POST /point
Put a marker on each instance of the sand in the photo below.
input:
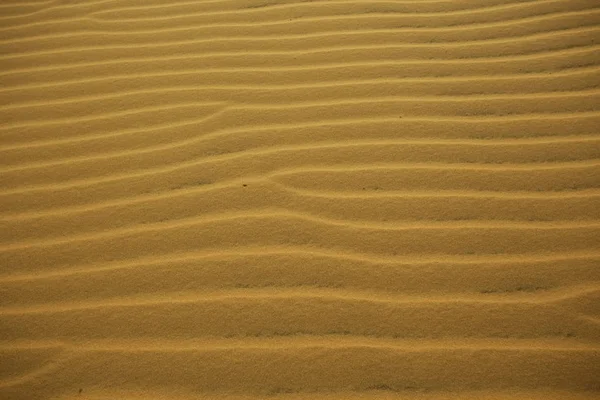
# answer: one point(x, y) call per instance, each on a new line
point(327, 199)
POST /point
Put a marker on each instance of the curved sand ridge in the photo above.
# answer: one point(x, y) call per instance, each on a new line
point(328, 199)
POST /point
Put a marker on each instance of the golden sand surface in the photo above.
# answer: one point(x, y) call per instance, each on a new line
point(288, 199)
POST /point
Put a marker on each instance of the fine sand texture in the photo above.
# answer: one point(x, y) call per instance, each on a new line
point(299, 199)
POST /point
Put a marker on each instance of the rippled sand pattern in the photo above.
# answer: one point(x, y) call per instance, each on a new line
point(327, 199)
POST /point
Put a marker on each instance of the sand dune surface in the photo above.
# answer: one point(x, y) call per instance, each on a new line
point(292, 199)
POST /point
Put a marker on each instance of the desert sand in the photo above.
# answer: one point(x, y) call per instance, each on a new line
point(288, 199)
